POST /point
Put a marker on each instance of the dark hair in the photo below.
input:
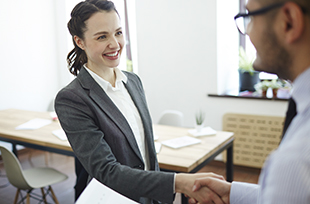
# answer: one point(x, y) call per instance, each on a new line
point(77, 27)
point(305, 4)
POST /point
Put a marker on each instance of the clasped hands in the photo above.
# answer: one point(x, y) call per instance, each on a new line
point(203, 188)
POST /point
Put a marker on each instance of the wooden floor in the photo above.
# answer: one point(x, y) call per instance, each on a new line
point(65, 191)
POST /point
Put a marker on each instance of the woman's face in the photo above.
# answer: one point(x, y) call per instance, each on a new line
point(103, 40)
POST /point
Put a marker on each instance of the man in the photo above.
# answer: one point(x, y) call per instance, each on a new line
point(280, 32)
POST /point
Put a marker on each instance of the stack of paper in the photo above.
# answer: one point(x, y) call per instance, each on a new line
point(60, 134)
point(98, 193)
point(157, 147)
point(181, 142)
point(33, 124)
point(206, 131)
point(155, 137)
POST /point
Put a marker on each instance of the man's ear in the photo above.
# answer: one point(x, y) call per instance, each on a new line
point(294, 23)
point(79, 42)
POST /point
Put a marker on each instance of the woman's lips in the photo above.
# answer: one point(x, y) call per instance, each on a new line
point(112, 55)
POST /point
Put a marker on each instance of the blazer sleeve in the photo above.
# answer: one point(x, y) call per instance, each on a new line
point(91, 148)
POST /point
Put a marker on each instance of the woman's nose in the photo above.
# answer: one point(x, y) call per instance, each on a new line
point(113, 43)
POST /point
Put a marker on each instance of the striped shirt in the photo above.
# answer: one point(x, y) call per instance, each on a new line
point(285, 178)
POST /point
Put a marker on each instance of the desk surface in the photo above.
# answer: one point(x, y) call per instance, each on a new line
point(181, 160)
point(11, 118)
point(185, 159)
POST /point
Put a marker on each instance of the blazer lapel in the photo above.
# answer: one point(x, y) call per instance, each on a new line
point(99, 96)
point(138, 98)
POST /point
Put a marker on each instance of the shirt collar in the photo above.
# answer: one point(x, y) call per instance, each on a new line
point(301, 91)
point(120, 76)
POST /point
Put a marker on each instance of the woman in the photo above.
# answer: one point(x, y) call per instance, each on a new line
point(104, 112)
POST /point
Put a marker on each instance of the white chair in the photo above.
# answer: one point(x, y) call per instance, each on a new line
point(171, 117)
point(30, 179)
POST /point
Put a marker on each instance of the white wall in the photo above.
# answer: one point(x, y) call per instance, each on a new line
point(32, 53)
point(181, 44)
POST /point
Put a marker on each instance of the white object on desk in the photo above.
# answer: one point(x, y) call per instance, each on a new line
point(181, 142)
point(206, 131)
point(33, 124)
point(157, 147)
point(53, 115)
point(96, 192)
point(60, 134)
point(155, 137)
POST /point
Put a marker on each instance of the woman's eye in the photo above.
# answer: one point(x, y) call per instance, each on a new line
point(101, 37)
point(119, 33)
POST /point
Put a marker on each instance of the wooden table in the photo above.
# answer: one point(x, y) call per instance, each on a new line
point(192, 158)
point(41, 138)
point(186, 159)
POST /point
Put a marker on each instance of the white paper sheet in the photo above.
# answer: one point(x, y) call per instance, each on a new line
point(60, 134)
point(181, 142)
point(98, 193)
point(33, 124)
point(155, 137)
point(157, 147)
point(206, 131)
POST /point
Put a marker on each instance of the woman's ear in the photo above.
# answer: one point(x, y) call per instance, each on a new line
point(79, 42)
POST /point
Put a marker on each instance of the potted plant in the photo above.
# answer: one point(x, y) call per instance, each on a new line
point(275, 85)
point(266, 84)
point(262, 87)
point(200, 117)
point(248, 77)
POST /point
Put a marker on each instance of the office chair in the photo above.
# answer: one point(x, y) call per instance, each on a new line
point(171, 117)
point(30, 179)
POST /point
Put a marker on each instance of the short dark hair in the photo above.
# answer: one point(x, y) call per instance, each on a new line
point(77, 27)
point(303, 3)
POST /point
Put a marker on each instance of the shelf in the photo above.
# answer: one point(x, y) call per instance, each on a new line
point(248, 95)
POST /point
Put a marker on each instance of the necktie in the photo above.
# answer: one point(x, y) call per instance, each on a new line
point(290, 114)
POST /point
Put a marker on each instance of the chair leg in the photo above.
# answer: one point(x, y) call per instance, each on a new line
point(28, 198)
point(53, 195)
point(43, 195)
point(16, 196)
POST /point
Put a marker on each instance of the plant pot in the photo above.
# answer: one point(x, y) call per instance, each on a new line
point(275, 93)
point(264, 93)
point(247, 80)
point(198, 127)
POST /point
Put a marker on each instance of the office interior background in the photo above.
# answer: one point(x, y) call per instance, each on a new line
point(182, 50)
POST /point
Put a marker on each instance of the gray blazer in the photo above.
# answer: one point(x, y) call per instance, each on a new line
point(103, 141)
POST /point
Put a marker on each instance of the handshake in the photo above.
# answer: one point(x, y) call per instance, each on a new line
point(203, 188)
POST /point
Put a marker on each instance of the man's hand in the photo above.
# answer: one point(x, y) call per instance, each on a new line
point(220, 187)
point(184, 183)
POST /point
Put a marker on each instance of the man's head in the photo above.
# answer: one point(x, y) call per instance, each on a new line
point(281, 36)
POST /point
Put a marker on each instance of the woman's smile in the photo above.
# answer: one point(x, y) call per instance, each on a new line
point(112, 55)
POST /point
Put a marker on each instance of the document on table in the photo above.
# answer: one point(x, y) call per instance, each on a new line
point(206, 131)
point(181, 142)
point(157, 146)
point(155, 137)
point(98, 193)
point(33, 124)
point(60, 134)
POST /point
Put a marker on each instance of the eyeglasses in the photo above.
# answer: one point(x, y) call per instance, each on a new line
point(242, 20)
